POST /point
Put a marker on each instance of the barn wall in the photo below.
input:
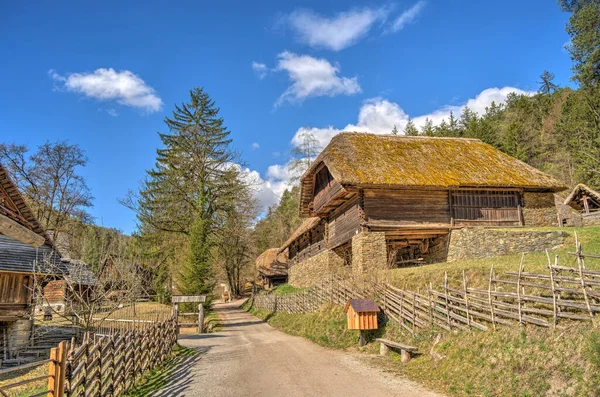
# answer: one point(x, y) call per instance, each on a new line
point(539, 209)
point(344, 223)
point(407, 206)
point(15, 288)
point(315, 269)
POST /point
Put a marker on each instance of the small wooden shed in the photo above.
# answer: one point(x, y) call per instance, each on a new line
point(361, 314)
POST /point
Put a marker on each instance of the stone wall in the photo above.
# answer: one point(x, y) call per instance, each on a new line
point(539, 209)
point(315, 269)
point(472, 243)
point(369, 251)
point(17, 333)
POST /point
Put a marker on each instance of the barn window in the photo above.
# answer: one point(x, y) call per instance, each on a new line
point(486, 206)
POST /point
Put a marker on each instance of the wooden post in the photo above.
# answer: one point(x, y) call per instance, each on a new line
point(200, 318)
point(554, 293)
point(490, 298)
point(52, 370)
point(362, 341)
point(447, 302)
point(466, 299)
point(519, 288)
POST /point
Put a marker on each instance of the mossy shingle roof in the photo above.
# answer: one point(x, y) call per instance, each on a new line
point(395, 160)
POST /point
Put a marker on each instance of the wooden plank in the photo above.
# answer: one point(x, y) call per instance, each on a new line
point(188, 298)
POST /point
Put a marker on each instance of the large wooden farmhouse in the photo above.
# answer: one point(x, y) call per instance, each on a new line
point(25, 250)
point(381, 200)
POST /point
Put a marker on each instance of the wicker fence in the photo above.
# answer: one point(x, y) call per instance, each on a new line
point(517, 297)
point(103, 365)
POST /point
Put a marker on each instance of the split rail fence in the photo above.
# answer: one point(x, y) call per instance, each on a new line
point(517, 297)
point(102, 365)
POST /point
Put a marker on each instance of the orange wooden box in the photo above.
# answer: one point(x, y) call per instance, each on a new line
point(361, 314)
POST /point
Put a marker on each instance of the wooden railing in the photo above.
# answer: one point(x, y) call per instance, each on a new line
point(102, 366)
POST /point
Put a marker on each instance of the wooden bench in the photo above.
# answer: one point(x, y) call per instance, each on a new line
point(406, 352)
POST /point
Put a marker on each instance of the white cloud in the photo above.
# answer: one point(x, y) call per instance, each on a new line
point(378, 116)
point(336, 32)
point(112, 111)
point(408, 16)
point(313, 77)
point(124, 87)
point(255, 145)
point(260, 69)
point(478, 104)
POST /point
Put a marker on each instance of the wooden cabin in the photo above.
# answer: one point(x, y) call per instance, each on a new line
point(25, 252)
point(58, 295)
point(586, 201)
point(394, 199)
point(271, 267)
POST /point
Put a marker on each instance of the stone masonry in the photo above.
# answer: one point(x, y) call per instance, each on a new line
point(369, 252)
point(539, 209)
point(473, 243)
point(315, 269)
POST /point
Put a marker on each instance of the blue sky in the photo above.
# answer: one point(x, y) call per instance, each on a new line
point(104, 75)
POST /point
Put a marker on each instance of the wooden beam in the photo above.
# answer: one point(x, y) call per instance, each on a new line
point(20, 233)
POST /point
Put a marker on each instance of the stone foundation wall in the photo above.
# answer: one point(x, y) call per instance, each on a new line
point(472, 243)
point(315, 269)
point(539, 209)
point(17, 333)
point(369, 251)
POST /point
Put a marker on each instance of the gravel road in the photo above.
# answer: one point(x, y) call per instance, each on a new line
point(250, 358)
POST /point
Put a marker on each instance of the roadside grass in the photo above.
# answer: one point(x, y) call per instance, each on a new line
point(158, 377)
point(478, 270)
point(212, 322)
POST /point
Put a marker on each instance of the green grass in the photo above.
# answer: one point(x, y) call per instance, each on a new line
point(212, 322)
point(478, 270)
point(285, 289)
point(159, 377)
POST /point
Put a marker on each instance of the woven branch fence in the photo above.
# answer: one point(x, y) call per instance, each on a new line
point(103, 365)
point(541, 299)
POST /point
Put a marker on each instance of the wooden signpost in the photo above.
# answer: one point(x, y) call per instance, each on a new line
point(200, 299)
point(361, 315)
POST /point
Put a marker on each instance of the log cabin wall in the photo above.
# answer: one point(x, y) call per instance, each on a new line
point(407, 206)
point(344, 223)
point(308, 244)
point(326, 190)
point(15, 295)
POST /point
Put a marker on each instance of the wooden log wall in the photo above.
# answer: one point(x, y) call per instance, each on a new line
point(344, 223)
point(15, 287)
point(407, 206)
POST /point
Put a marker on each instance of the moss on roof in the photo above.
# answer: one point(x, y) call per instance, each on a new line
point(367, 159)
point(272, 263)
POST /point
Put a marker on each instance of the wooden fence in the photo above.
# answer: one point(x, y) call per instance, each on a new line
point(541, 299)
point(102, 365)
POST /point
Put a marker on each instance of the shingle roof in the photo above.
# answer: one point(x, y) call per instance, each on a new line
point(361, 159)
point(79, 272)
point(576, 195)
point(272, 263)
point(19, 257)
point(362, 305)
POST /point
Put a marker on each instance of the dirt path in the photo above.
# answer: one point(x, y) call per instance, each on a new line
point(250, 358)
